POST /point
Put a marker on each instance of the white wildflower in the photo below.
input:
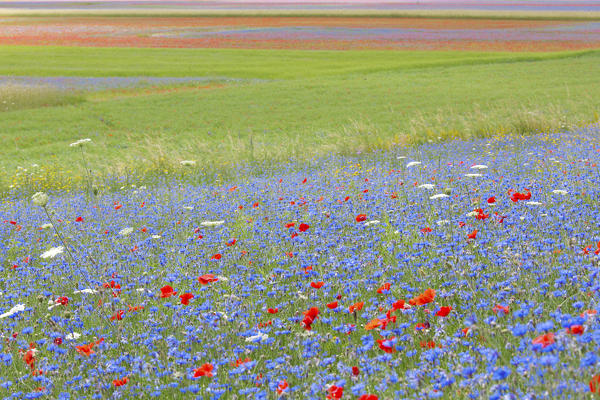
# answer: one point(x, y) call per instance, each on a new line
point(16, 309)
point(188, 207)
point(442, 222)
point(86, 291)
point(400, 158)
point(155, 236)
point(40, 199)
point(212, 223)
point(439, 196)
point(46, 226)
point(301, 296)
point(561, 192)
point(472, 214)
point(428, 186)
point(479, 166)
point(374, 222)
point(413, 163)
point(473, 175)
point(533, 203)
point(260, 337)
point(187, 163)
point(53, 252)
point(73, 336)
point(126, 231)
point(80, 142)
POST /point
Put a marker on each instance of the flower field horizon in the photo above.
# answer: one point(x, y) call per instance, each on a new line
point(444, 270)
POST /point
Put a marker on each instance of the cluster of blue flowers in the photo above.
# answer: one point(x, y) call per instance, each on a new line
point(455, 270)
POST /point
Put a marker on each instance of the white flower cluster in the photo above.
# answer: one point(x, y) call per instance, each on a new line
point(80, 142)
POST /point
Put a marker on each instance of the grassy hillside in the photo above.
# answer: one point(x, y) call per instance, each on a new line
point(355, 101)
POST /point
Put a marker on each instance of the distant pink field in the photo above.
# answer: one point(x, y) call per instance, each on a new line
point(337, 33)
point(497, 5)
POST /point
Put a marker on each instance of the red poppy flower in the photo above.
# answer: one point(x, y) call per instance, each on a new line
point(207, 278)
point(472, 235)
point(500, 308)
point(118, 315)
point(356, 306)
point(290, 225)
point(399, 305)
point(63, 300)
point(121, 382)
point(58, 341)
point(368, 397)
point(204, 370)
point(575, 330)
point(273, 310)
point(386, 286)
point(79, 219)
point(443, 311)
point(317, 285)
point(309, 317)
point(303, 227)
point(361, 218)
point(346, 198)
point(426, 230)
point(333, 305)
point(544, 340)
point(167, 291)
point(185, 298)
point(335, 392)
point(231, 242)
point(491, 200)
point(595, 384)
point(424, 298)
point(216, 257)
point(386, 345)
point(376, 323)
point(282, 387)
point(355, 371)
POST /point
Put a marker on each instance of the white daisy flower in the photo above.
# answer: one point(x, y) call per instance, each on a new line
point(46, 226)
point(413, 163)
point(533, 203)
point(155, 236)
point(473, 175)
point(53, 252)
point(479, 166)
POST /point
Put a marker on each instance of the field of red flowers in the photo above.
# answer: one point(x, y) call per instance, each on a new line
point(319, 33)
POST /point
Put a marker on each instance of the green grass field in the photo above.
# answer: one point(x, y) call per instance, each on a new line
point(304, 104)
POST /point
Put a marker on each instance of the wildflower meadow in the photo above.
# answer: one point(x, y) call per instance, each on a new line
point(456, 269)
point(289, 203)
